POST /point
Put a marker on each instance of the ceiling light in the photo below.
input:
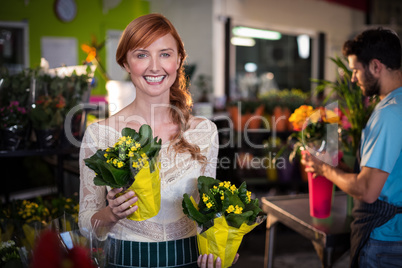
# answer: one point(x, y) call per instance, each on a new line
point(303, 45)
point(241, 41)
point(256, 33)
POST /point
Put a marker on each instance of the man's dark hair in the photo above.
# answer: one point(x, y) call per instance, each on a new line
point(381, 44)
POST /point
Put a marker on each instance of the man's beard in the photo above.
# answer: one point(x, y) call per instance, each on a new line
point(370, 84)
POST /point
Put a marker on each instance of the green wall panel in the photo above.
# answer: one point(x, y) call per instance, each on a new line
point(90, 20)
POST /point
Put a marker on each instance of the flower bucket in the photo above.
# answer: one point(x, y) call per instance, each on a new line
point(320, 191)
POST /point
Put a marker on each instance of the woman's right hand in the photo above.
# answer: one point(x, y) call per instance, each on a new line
point(121, 206)
point(207, 261)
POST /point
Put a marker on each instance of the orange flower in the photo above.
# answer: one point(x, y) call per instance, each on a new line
point(300, 115)
point(61, 102)
point(91, 51)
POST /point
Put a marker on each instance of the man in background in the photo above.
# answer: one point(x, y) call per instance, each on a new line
point(374, 56)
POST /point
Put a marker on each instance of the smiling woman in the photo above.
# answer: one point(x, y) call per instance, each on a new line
point(153, 70)
point(152, 52)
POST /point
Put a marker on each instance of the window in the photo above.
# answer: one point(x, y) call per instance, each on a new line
point(13, 46)
point(266, 60)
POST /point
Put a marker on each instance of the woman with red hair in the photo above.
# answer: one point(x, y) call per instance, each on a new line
point(152, 53)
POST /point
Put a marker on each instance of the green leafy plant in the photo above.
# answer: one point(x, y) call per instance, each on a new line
point(117, 166)
point(285, 98)
point(353, 104)
point(219, 198)
point(15, 87)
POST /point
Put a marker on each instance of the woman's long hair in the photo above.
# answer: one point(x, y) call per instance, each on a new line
point(141, 33)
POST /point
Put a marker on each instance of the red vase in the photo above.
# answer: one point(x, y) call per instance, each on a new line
point(320, 191)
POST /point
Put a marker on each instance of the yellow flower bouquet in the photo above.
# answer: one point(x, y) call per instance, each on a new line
point(132, 163)
point(224, 215)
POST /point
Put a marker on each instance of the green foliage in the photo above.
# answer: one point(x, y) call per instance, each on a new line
point(247, 106)
point(219, 198)
point(15, 87)
point(285, 98)
point(117, 166)
point(46, 98)
point(9, 254)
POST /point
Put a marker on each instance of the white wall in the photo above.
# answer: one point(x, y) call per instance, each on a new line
point(193, 21)
point(199, 20)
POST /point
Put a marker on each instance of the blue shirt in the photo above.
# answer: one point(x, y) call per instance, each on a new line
point(381, 148)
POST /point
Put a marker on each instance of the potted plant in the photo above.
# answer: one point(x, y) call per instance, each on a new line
point(279, 104)
point(14, 98)
point(352, 104)
point(246, 114)
point(54, 94)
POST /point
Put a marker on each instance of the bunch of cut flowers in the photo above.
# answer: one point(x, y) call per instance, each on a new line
point(132, 164)
point(224, 215)
point(316, 130)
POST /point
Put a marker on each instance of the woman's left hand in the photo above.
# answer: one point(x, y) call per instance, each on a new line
point(207, 261)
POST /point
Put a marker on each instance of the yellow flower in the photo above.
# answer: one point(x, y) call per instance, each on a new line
point(120, 164)
point(130, 154)
point(238, 210)
point(226, 184)
point(331, 117)
point(209, 205)
point(248, 196)
point(230, 209)
point(233, 188)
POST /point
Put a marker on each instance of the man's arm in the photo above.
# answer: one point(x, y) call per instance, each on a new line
point(365, 186)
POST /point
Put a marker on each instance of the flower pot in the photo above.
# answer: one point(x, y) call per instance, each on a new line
point(248, 120)
point(320, 191)
point(279, 119)
point(47, 138)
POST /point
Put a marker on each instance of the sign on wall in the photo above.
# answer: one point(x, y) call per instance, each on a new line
point(59, 51)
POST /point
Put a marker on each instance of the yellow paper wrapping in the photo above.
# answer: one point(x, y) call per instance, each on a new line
point(223, 240)
point(147, 187)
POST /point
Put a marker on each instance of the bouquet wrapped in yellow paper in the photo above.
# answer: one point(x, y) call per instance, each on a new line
point(133, 164)
point(224, 215)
